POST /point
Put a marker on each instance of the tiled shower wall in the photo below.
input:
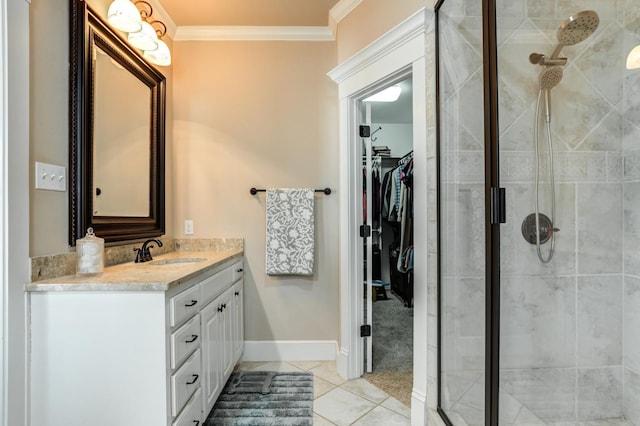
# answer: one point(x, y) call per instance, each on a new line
point(630, 110)
point(569, 339)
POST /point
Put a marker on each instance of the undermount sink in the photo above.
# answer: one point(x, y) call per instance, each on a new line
point(177, 261)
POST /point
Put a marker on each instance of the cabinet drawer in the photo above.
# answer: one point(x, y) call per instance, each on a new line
point(213, 286)
point(184, 305)
point(185, 382)
point(238, 271)
point(185, 340)
point(192, 413)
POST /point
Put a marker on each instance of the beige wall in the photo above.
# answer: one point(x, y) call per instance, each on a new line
point(49, 139)
point(247, 114)
point(260, 114)
point(370, 20)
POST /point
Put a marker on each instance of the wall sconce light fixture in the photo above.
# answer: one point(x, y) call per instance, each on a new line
point(143, 31)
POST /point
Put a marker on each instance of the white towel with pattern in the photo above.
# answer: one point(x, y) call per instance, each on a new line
point(290, 231)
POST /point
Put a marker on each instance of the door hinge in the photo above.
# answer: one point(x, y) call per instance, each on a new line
point(498, 206)
point(365, 131)
point(365, 330)
point(365, 231)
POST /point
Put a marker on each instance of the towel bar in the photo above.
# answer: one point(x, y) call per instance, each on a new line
point(254, 191)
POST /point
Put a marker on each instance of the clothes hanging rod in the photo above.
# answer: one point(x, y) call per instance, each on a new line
point(326, 191)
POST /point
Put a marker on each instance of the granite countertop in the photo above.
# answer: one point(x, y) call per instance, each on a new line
point(158, 275)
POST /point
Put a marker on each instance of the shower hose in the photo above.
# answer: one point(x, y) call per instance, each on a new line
point(542, 258)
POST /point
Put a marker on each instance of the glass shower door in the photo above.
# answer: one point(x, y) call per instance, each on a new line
point(562, 115)
point(462, 214)
point(565, 291)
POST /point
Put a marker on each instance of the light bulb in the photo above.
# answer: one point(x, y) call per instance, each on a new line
point(145, 39)
point(124, 16)
point(161, 56)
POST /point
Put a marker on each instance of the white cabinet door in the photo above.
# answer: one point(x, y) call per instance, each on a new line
point(228, 360)
point(212, 342)
point(238, 320)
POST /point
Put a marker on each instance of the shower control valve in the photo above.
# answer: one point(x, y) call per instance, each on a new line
point(546, 228)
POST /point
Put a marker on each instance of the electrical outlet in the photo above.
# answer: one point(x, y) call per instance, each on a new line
point(51, 177)
point(188, 227)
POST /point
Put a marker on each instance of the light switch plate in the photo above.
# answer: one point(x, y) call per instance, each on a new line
point(51, 177)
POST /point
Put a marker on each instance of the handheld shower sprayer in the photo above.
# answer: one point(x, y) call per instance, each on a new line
point(572, 31)
point(549, 78)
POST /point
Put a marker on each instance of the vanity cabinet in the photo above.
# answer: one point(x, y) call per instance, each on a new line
point(136, 356)
point(237, 328)
point(222, 320)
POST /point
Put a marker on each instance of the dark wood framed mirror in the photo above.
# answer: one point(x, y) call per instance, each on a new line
point(116, 134)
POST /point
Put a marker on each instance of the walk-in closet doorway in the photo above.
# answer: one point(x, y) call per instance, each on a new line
point(387, 237)
point(398, 54)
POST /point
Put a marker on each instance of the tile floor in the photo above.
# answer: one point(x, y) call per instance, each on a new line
point(342, 402)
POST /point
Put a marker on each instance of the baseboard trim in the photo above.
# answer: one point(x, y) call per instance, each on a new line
point(290, 350)
point(342, 363)
point(419, 411)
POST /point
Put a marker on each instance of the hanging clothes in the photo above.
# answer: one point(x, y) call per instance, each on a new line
point(406, 214)
point(395, 207)
point(364, 194)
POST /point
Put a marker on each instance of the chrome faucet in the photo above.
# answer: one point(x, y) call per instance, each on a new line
point(143, 254)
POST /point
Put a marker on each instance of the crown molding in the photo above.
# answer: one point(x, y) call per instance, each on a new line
point(227, 33)
point(340, 11)
point(221, 33)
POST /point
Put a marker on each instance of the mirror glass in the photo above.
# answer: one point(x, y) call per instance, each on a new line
point(121, 155)
point(116, 134)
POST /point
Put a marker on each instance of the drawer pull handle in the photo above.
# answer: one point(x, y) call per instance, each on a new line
point(239, 270)
point(224, 306)
point(195, 379)
point(192, 303)
point(194, 337)
point(220, 308)
point(237, 293)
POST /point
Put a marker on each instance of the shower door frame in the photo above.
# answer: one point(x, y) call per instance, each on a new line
point(492, 222)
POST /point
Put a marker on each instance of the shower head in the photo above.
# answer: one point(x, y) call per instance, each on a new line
point(549, 78)
point(576, 29)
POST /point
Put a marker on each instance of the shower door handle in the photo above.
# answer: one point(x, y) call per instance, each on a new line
point(498, 206)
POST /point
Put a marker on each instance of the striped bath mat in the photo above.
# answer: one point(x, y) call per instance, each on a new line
point(263, 398)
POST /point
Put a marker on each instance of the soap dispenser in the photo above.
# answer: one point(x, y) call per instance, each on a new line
point(90, 250)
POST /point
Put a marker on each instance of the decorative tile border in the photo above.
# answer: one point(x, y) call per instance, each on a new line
point(519, 166)
point(631, 166)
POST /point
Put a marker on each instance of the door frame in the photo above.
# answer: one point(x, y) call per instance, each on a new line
point(14, 210)
point(4, 143)
point(401, 51)
point(365, 294)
